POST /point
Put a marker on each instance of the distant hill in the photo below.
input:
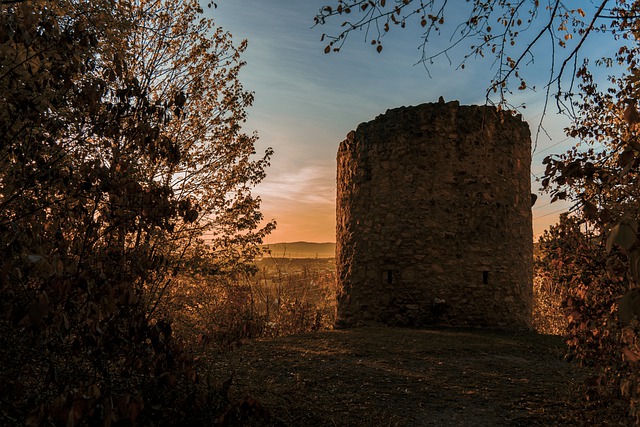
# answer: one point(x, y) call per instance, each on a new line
point(301, 250)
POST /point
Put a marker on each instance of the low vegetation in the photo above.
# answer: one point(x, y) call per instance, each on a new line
point(280, 296)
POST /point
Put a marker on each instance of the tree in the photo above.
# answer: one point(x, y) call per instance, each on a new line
point(490, 28)
point(601, 176)
point(122, 146)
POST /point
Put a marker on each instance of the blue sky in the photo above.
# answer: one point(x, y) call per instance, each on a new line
point(307, 101)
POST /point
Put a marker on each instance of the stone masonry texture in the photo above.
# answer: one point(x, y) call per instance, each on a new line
point(434, 218)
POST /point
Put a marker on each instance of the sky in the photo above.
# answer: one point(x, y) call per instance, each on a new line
point(307, 101)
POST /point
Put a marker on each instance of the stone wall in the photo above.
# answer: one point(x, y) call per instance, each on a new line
point(434, 218)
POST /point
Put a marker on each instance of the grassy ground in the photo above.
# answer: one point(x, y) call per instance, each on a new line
point(380, 376)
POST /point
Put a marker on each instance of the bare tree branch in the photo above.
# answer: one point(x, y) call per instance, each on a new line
point(517, 17)
point(575, 51)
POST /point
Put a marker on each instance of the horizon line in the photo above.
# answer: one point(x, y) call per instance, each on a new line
point(299, 241)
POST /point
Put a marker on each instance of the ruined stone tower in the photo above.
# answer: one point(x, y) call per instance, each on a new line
point(434, 218)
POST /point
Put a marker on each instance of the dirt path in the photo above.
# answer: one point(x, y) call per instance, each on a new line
point(380, 376)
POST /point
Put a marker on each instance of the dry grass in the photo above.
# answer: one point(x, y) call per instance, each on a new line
point(408, 377)
point(294, 295)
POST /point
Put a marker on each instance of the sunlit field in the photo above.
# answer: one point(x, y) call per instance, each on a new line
point(280, 296)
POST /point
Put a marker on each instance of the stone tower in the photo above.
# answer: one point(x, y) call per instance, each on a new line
point(434, 218)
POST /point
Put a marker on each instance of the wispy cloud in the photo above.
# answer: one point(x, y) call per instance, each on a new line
point(302, 202)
